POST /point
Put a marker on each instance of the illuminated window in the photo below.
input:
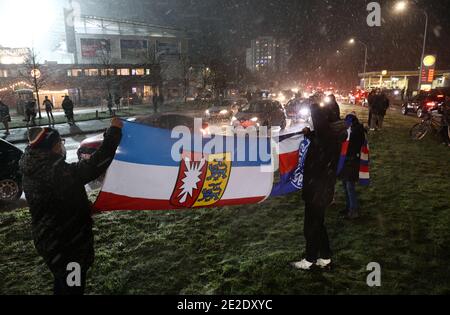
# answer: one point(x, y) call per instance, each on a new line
point(123, 71)
point(76, 72)
point(137, 72)
point(106, 72)
point(69, 73)
point(91, 72)
point(147, 71)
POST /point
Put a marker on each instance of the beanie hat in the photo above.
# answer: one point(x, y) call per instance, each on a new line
point(43, 138)
point(349, 119)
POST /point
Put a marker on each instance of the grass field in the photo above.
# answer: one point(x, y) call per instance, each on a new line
point(405, 227)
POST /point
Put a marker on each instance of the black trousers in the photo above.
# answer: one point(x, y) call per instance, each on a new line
point(60, 286)
point(445, 134)
point(317, 243)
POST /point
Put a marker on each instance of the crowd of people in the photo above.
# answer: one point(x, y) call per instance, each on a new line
point(62, 223)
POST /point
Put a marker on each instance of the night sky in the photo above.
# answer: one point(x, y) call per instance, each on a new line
point(316, 30)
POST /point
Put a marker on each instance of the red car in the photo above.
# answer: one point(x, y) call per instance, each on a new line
point(165, 121)
point(358, 97)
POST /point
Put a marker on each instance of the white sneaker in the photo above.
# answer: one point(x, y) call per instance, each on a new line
point(323, 263)
point(303, 265)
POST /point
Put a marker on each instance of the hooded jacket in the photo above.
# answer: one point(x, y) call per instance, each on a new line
point(59, 206)
point(321, 161)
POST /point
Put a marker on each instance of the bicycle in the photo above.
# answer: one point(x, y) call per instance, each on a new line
point(432, 123)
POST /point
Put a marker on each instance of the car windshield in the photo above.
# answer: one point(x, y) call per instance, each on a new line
point(255, 107)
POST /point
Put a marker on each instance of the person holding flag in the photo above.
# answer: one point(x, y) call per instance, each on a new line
point(319, 180)
point(353, 163)
point(60, 209)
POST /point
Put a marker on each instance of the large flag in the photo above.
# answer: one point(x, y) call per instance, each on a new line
point(149, 174)
point(292, 155)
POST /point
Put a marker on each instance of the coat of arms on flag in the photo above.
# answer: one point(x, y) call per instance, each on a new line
point(201, 182)
point(147, 173)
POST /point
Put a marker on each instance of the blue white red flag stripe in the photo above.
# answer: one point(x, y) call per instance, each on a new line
point(145, 176)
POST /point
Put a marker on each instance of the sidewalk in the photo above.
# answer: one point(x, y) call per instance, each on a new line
point(20, 135)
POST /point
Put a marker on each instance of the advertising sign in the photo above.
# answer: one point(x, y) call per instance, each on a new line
point(92, 47)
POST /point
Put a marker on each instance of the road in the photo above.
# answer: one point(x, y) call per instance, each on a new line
point(72, 144)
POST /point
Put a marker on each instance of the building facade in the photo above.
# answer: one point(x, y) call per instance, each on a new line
point(123, 58)
point(407, 80)
point(268, 54)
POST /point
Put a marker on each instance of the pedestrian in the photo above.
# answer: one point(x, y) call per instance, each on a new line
point(371, 102)
point(110, 105)
point(318, 190)
point(49, 109)
point(5, 117)
point(30, 112)
point(60, 209)
point(122, 103)
point(155, 103)
point(67, 106)
point(333, 108)
point(445, 130)
point(350, 163)
point(161, 100)
point(379, 109)
point(117, 101)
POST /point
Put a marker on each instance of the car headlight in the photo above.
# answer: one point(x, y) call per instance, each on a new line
point(305, 112)
point(223, 112)
point(254, 119)
point(233, 119)
point(327, 99)
point(207, 112)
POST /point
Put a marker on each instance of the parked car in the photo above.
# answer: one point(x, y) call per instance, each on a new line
point(425, 102)
point(298, 108)
point(358, 97)
point(261, 113)
point(165, 121)
point(10, 176)
point(223, 110)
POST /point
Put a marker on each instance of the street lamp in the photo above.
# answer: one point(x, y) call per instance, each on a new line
point(402, 6)
point(353, 41)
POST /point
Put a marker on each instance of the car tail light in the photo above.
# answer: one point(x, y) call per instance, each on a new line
point(431, 104)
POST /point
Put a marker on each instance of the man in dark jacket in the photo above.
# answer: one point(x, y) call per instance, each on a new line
point(319, 185)
point(30, 112)
point(5, 117)
point(49, 109)
point(67, 106)
point(445, 112)
point(59, 206)
point(333, 108)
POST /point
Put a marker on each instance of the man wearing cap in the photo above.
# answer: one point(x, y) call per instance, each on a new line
point(59, 206)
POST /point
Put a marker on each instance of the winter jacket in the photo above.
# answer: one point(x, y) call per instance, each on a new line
point(48, 105)
point(321, 161)
point(59, 206)
point(67, 104)
point(350, 172)
point(4, 112)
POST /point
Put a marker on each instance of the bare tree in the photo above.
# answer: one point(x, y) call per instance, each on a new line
point(186, 72)
point(34, 73)
point(105, 59)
